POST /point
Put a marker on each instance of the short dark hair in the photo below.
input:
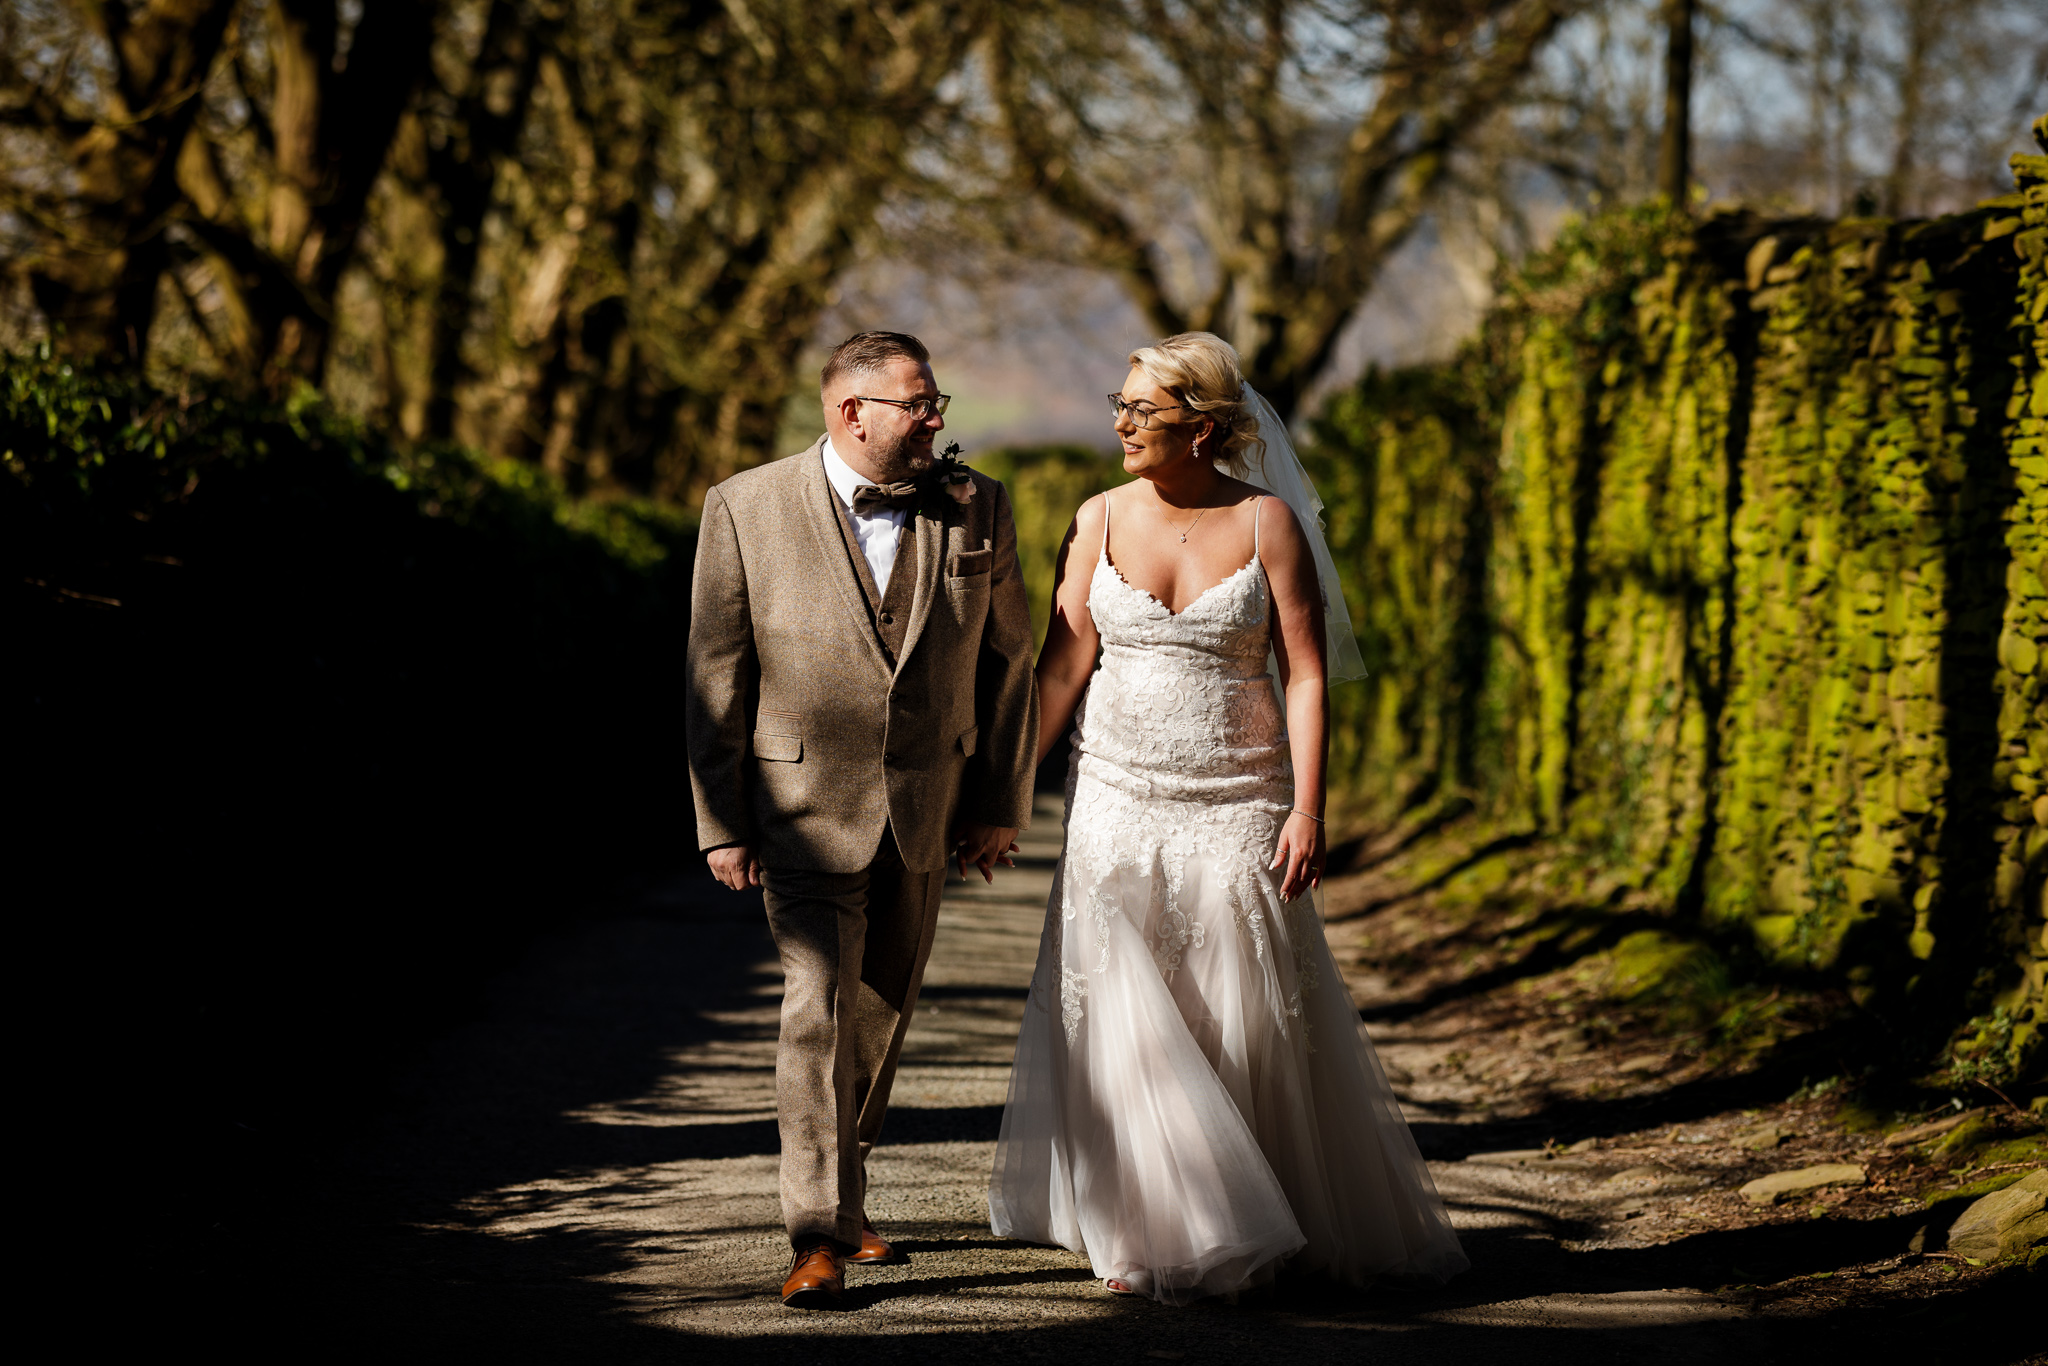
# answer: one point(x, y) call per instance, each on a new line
point(863, 353)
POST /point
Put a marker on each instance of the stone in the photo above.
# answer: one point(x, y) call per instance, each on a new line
point(1769, 1190)
point(1758, 261)
point(1920, 1133)
point(1651, 1173)
point(2005, 1222)
point(1762, 1138)
point(1950, 1201)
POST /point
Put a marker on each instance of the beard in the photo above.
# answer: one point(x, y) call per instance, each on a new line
point(904, 457)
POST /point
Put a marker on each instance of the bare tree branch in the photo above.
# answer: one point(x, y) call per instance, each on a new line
point(1048, 170)
point(1290, 265)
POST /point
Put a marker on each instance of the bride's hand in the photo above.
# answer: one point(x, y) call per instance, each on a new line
point(1301, 851)
point(984, 846)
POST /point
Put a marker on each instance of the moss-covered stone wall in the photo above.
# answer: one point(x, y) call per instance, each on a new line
point(1719, 558)
point(2020, 771)
point(1406, 484)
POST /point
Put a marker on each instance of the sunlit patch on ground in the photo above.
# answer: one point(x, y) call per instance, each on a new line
point(592, 1171)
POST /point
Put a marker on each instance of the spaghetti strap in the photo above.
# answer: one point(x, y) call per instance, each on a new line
point(1103, 554)
point(1258, 505)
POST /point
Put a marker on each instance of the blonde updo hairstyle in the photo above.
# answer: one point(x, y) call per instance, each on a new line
point(1202, 371)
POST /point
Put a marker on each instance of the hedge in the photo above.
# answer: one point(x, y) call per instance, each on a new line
point(308, 736)
point(1719, 559)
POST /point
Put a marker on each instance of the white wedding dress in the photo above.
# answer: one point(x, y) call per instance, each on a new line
point(1194, 1106)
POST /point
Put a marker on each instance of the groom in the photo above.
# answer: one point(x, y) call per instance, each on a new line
point(860, 704)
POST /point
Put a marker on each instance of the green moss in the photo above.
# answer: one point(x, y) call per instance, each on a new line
point(1648, 963)
point(1960, 1141)
point(2019, 886)
point(1404, 463)
point(1955, 1199)
point(1718, 559)
point(2032, 1148)
point(1470, 888)
point(1857, 1117)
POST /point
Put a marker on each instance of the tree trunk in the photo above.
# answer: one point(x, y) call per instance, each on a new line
point(358, 112)
point(1674, 145)
point(490, 112)
point(97, 283)
point(1921, 16)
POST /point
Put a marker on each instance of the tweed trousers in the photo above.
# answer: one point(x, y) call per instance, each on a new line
point(853, 949)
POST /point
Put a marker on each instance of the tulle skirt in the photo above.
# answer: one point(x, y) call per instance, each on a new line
point(1194, 1106)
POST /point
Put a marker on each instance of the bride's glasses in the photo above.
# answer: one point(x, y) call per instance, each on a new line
point(1140, 415)
point(919, 408)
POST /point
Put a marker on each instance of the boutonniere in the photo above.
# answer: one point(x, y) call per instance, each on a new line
point(948, 478)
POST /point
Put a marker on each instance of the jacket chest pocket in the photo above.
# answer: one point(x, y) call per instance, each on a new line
point(967, 587)
point(969, 565)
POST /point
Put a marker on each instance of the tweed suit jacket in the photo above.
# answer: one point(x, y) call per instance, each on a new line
point(804, 740)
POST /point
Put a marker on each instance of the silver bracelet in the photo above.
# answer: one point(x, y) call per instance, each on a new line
point(1317, 819)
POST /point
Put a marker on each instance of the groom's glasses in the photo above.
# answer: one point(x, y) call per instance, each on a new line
point(919, 408)
point(1141, 416)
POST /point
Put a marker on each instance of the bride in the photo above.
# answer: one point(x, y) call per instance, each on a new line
point(1193, 1104)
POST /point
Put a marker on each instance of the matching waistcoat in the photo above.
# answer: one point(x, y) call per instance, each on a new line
point(888, 613)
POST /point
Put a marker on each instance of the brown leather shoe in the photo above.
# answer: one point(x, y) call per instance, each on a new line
point(873, 1247)
point(815, 1278)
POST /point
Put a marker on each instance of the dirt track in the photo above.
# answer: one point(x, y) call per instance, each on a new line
point(588, 1174)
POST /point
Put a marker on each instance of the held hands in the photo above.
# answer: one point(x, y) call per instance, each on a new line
point(1301, 850)
point(984, 846)
point(738, 866)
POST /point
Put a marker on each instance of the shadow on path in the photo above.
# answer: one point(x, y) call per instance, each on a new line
point(412, 1246)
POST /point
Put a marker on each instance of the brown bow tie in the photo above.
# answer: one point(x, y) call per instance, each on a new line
point(868, 499)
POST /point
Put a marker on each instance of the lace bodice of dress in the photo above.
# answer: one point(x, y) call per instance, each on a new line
point(1181, 706)
point(1180, 753)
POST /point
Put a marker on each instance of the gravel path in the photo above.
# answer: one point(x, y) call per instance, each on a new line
point(587, 1173)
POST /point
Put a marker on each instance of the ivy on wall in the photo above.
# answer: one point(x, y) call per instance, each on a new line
point(1407, 510)
point(2020, 770)
point(1719, 556)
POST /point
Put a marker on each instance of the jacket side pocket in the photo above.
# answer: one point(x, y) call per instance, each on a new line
point(780, 748)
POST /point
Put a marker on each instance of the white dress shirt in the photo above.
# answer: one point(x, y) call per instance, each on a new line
point(879, 531)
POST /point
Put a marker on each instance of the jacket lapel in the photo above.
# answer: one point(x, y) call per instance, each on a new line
point(931, 559)
point(821, 508)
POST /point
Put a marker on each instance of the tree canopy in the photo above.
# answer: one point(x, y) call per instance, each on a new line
point(599, 235)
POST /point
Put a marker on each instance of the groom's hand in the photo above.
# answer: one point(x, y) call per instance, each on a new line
point(736, 866)
point(984, 846)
